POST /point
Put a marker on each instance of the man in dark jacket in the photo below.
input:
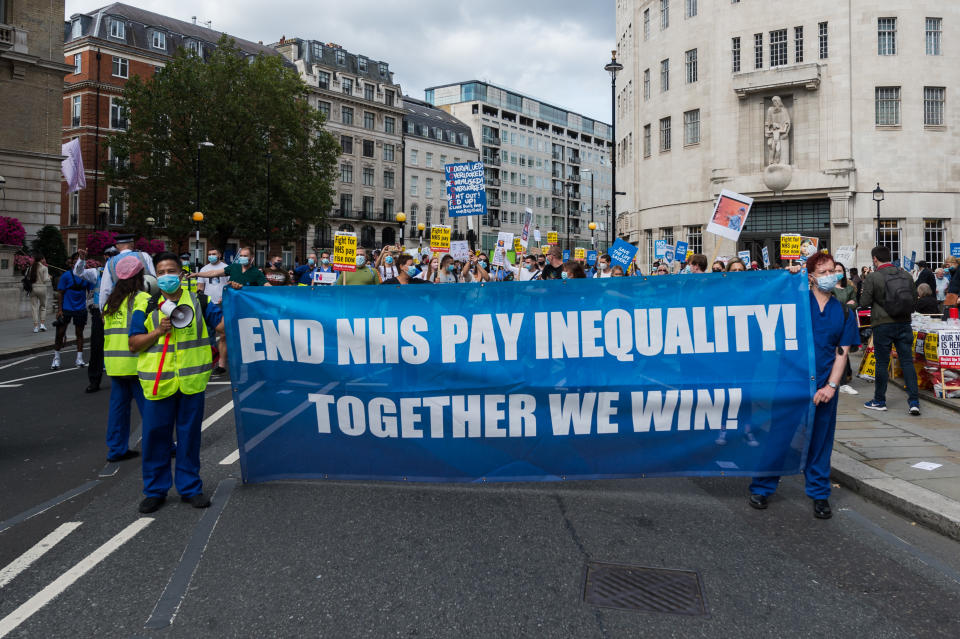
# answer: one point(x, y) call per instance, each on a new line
point(926, 276)
point(890, 330)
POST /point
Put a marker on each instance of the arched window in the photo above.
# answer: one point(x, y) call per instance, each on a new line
point(443, 215)
point(429, 214)
point(368, 237)
point(413, 215)
point(389, 236)
point(346, 227)
point(322, 236)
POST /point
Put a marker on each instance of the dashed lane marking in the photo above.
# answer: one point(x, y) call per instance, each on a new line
point(25, 359)
point(232, 458)
point(210, 421)
point(26, 560)
point(56, 372)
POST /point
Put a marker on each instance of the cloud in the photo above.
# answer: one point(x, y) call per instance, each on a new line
point(552, 50)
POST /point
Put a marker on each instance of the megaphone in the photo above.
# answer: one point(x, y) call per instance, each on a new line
point(150, 284)
point(180, 316)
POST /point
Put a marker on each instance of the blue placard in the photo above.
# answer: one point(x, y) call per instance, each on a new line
point(765, 252)
point(544, 380)
point(668, 254)
point(955, 249)
point(591, 257)
point(566, 255)
point(896, 262)
point(659, 248)
point(744, 257)
point(466, 189)
point(681, 252)
point(622, 253)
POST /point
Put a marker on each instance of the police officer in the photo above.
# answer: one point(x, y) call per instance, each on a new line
point(94, 276)
point(121, 363)
point(173, 385)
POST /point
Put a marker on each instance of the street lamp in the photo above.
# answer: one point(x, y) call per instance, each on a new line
point(104, 209)
point(150, 222)
point(420, 228)
point(613, 68)
point(566, 189)
point(197, 218)
point(593, 227)
point(205, 144)
point(401, 219)
point(878, 198)
point(269, 156)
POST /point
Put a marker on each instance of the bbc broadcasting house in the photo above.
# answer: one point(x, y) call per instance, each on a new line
point(869, 94)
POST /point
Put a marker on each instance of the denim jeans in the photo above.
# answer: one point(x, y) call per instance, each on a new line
point(899, 335)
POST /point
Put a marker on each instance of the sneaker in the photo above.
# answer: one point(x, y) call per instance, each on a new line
point(56, 361)
point(875, 405)
point(849, 390)
point(914, 408)
point(43, 328)
point(36, 329)
point(80, 362)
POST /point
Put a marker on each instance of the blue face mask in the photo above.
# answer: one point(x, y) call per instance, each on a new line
point(564, 275)
point(826, 283)
point(185, 262)
point(325, 261)
point(212, 259)
point(361, 260)
point(389, 260)
point(243, 261)
point(451, 268)
point(529, 266)
point(482, 265)
point(168, 283)
point(412, 271)
point(311, 261)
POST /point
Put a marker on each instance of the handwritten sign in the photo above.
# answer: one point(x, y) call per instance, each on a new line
point(466, 189)
point(345, 251)
point(460, 250)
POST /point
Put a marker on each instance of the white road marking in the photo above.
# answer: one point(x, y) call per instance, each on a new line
point(219, 383)
point(32, 605)
point(210, 421)
point(10, 385)
point(25, 359)
point(23, 379)
point(25, 560)
point(232, 458)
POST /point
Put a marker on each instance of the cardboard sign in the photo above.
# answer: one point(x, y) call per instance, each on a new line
point(659, 248)
point(689, 255)
point(579, 253)
point(324, 279)
point(517, 245)
point(591, 257)
point(460, 250)
point(466, 189)
point(730, 215)
point(669, 254)
point(622, 253)
point(504, 242)
point(931, 348)
point(566, 255)
point(525, 233)
point(681, 253)
point(845, 255)
point(765, 252)
point(536, 235)
point(744, 257)
point(948, 349)
point(955, 249)
point(440, 238)
point(345, 251)
point(789, 246)
point(544, 249)
point(553, 238)
point(808, 246)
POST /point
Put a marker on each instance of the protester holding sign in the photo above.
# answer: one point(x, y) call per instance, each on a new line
point(834, 332)
point(386, 263)
point(364, 275)
point(476, 269)
point(530, 270)
point(407, 272)
point(603, 269)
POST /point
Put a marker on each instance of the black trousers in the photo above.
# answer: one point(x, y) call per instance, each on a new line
point(95, 366)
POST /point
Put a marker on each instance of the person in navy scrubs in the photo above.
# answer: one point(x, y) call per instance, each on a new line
point(834, 332)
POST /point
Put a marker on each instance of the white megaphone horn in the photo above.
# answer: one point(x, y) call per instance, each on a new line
point(180, 316)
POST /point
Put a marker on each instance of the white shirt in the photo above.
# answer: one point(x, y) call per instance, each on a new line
point(213, 286)
point(525, 276)
point(388, 272)
point(106, 282)
point(606, 273)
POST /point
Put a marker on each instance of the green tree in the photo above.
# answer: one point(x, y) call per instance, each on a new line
point(49, 242)
point(246, 107)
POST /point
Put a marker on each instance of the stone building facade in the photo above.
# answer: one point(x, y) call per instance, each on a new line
point(867, 87)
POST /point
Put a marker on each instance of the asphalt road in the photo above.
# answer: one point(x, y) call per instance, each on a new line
point(368, 559)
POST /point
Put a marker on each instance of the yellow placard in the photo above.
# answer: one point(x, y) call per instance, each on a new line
point(517, 245)
point(930, 352)
point(345, 251)
point(790, 246)
point(440, 238)
point(689, 255)
point(579, 253)
point(545, 248)
point(868, 366)
point(553, 238)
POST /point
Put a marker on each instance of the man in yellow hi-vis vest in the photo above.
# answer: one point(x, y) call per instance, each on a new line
point(174, 366)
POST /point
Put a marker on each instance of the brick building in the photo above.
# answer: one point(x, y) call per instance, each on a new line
point(104, 49)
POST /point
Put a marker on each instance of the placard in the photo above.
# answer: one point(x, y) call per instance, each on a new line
point(536, 235)
point(504, 242)
point(591, 257)
point(955, 249)
point(789, 246)
point(745, 258)
point(622, 253)
point(517, 245)
point(579, 253)
point(440, 238)
point(681, 252)
point(845, 255)
point(525, 233)
point(659, 248)
point(466, 189)
point(730, 215)
point(948, 349)
point(460, 250)
point(345, 251)
point(668, 253)
point(808, 246)
point(566, 255)
point(765, 252)
point(553, 238)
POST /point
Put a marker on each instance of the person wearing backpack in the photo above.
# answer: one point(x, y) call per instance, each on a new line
point(891, 294)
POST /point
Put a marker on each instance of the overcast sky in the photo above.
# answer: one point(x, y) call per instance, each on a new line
point(553, 50)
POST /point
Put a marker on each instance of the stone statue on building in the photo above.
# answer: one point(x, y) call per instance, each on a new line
point(777, 129)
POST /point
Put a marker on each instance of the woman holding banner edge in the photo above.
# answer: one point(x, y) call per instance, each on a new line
point(834, 332)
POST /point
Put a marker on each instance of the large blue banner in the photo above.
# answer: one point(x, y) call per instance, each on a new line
point(542, 380)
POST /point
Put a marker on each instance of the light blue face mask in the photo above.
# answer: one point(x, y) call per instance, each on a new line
point(361, 260)
point(564, 275)
point(826, 283)
point(168, 283)
point(482, 265)
point(412, 271)
point(243, 261)
point(212, 259)
point(451, 268)
point(389, 260)
point(311, 261)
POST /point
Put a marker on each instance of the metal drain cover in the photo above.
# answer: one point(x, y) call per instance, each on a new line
point(643, 589)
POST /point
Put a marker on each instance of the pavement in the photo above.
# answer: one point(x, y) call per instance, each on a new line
point(17, 337)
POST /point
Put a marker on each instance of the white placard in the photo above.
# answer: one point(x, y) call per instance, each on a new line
point(504, 244)
point(460, 250)
point(730, 215)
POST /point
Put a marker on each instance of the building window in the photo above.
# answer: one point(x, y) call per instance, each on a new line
point(646, 140)
point(387, 95)
point(159, 40)
point(664, 134)
point(324, 108)
point(778, 48)
point(886, 36)
point(691, 8)
point(888, 106)
point(414, 156)
point(890, 237)
point(346, 173)
point(428, 162)
point(194, 46)
point(667, 234)
point(347, 85)
point(346, 203)
point(75, 116)
point(368, 177)
point(77, 63)
point(646, 84)
point(121, 67)
point(346, 115)
point(389, 125)
point(323, 79)
point(428, 192)
point(368, 148)
point(933, 99)
point(346, 144)
point(691, 66)
point(695, 239)
point(368, 120)
point(691, 127)
point(824, 41)
point(798, 44)
point(388, 209)
point(646, 24)
point(414, 183)
point(75, 208)
point(388, 179)
point(368, 91)
point(118, 30)
point(118, 207)
point(934, 31)
point(933, 241)
point(341, 57)
point(367, 206)
point(757, 50)
point(736, 55)
point(388, 152)
point(649, 237)
point(118, 114)
point(664, 14)
point(664, 75)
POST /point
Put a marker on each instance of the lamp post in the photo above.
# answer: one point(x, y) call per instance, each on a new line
point(401, 219)
point(205, 144)
point(197, 218)
point(878, 198)
point(593, 227)
point(420, 228)
point(606, 217)
point(613, 68)
point(104, 209)
point(566, 192)
point(269, 156)
point(150, 222)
